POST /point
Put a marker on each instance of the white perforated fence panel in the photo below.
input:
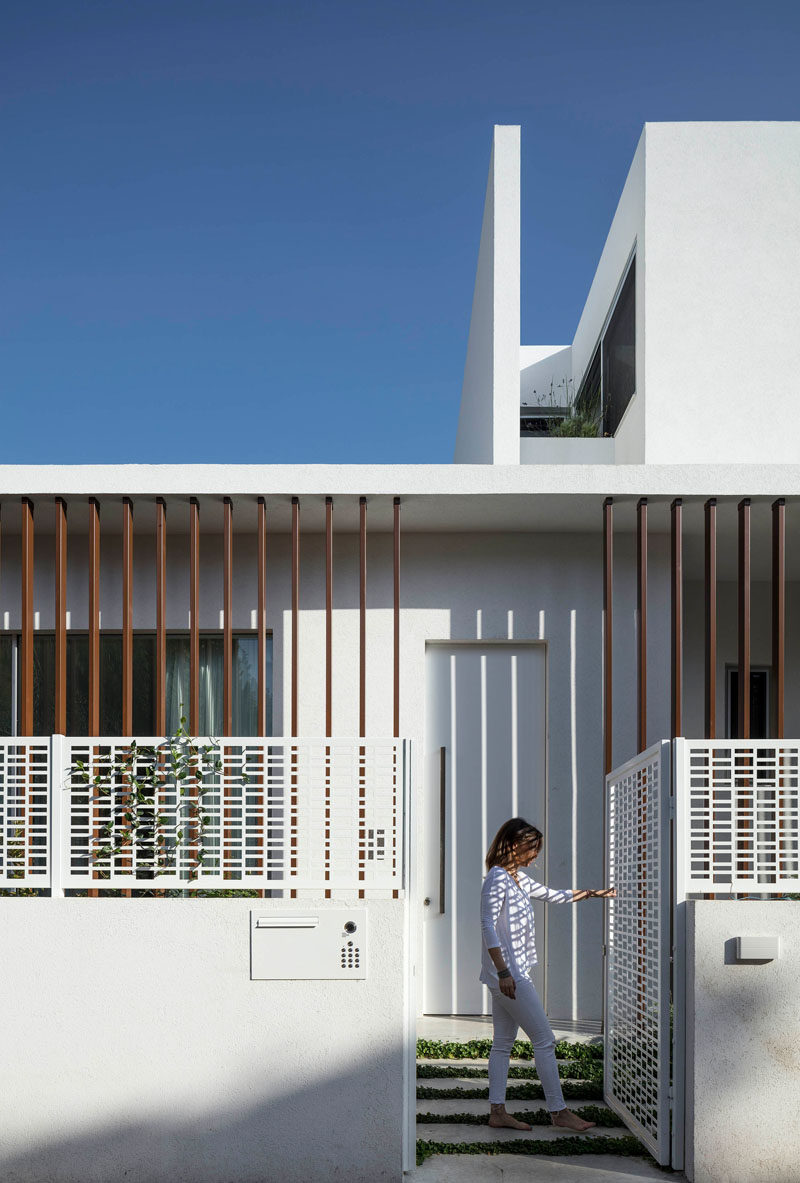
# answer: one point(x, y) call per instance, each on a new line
point(271, 814)
point(737, 816)
point(637, 1031)
point(24, 813)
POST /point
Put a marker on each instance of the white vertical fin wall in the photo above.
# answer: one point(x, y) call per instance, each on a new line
point(488, 423)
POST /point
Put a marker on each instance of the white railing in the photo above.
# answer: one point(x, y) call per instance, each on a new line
point(274, 814)
point(25, 812)
point(737, 816)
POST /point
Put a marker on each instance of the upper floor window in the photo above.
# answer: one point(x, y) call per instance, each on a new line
point(610, 380)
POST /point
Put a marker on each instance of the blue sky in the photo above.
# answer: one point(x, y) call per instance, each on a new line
point(243, 231)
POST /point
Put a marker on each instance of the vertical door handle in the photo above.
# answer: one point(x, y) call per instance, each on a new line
point(442, 819)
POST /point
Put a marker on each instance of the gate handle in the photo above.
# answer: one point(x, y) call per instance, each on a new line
point(442, 816)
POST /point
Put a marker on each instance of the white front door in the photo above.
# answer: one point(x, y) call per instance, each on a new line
point(485, 761)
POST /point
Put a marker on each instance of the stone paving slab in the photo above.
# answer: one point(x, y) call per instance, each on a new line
point(480, 1105)
point(476, 1082)
point(452, 1063)
point(485, 1133)
point(512, 1168)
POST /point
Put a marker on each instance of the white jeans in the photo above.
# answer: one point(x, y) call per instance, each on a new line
point(527, 1012)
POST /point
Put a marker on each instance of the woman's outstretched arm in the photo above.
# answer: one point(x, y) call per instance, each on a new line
point(589, 893)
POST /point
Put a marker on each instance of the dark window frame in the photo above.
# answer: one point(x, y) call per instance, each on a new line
point(593, 389)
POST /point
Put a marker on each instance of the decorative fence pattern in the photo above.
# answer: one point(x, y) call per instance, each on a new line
point(637, 1032)
point(24, 813)
point(267, 814)
point(737, 816)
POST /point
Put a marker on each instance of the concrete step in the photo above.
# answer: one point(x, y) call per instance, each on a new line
point(483, 1133)
point(514, 1168)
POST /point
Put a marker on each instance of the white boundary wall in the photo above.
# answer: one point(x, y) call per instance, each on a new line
point(743, 1036)
point(136, 1046)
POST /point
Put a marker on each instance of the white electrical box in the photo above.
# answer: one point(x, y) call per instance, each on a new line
point(758, 948)
point(320, 943)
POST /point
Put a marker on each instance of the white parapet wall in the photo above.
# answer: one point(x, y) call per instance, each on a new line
point(743, 1044)
point(137, 1047)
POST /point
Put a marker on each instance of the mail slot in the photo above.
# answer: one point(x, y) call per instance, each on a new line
point(330, 943)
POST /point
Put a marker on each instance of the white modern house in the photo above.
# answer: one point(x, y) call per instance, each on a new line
point(395, 659)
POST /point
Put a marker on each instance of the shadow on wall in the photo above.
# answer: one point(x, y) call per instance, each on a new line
point(297, 1136)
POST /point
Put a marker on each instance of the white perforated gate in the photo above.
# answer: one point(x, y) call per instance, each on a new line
point(638, 945)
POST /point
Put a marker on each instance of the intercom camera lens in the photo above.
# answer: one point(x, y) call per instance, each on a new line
point(350, 926)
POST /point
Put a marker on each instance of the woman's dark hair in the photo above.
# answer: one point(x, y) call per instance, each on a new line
point(515, 832)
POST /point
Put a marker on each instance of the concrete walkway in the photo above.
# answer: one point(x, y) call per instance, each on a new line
point(515, 1168)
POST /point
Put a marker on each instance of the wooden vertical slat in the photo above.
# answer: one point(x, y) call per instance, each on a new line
point(396, 540)
point(778, 614)
point(362, 616)
point(26, 641)
point(744, 618)
point(94, 616)
point(94, 649)
point(676, 612)
point(329, 616)
point(641, 615)
point(227, 618)
point(329, 670)
point(127, 616)
point(261, 635)
point(608, 634)
point(711, 618)
point(194, 616)
point(261, 621)
point(295, 607)
point(61, 617)
point(161, 616)
point(295, 677)
point(362, 685)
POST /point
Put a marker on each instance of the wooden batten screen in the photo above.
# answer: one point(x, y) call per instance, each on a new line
point(711, 618)
point(329, 616)
point(608, 633)
point(641, 632)
point(61, 617)
point(778, 614)
point(194, 616)
point(396, 614)
point(161, 616)
point(295, 608)
point(744, 618)
point(261, 621)
point(227, 618)
point(676, 613)
point(26, 640)
point(127, 616)
point(94, 616)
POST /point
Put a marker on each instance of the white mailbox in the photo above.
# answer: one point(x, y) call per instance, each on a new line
point(758, 948)
point(320, 943)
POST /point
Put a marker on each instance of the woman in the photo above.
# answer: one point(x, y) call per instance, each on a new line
point(509, 952)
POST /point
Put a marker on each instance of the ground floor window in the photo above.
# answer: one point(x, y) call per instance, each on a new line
point(244, 683)
point(759, 702)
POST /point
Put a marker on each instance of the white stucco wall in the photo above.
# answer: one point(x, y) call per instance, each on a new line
point(743, 1036)
point(136, 1046)
point(488, 425)
point(722, 292)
